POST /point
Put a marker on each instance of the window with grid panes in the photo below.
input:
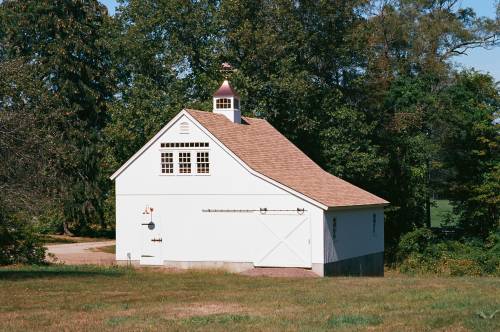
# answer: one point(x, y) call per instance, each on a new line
point(202, 163)
point(184, 162)
point(223, 103)
point(167, 163)
point(185, 145)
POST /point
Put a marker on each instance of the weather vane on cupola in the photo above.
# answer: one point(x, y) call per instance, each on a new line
point(226, 70)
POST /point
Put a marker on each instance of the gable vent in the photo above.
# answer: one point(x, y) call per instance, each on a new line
point(184, 128)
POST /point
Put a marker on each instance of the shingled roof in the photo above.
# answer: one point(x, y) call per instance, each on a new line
point(265, 150)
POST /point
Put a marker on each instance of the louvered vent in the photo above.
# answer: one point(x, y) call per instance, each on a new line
point(184, 128)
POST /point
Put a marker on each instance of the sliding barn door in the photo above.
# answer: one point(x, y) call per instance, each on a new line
point(284, 240)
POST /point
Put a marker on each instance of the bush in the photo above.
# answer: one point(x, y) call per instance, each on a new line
point(421, 251)
point(417, 241)
point(19, 244)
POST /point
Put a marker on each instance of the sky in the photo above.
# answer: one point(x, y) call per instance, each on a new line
point(483, 60)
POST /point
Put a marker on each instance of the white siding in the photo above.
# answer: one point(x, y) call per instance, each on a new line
point(354, 235)
point(188, 233)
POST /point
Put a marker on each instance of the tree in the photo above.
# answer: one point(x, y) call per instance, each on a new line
point(409, 45)
point(296, 66)
point(362, 87)
point(471, 149)
point(28, 174)
point(356, 85)
point(63, 41)
point(164, 56)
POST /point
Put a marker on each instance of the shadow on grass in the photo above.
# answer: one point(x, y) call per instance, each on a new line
point(31, 272)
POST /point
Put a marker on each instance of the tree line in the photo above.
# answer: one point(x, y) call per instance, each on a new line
point(367, 88)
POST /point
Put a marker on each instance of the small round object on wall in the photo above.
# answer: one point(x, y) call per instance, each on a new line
point(151, 225)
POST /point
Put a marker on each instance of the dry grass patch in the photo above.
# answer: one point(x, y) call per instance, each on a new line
point(204, 309)
point(107, 249)
point(112, 298)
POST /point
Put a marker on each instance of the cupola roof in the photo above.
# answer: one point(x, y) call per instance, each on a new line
point(226, 90)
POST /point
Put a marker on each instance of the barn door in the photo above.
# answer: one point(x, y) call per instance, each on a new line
point(152, 241)
point(284, 240)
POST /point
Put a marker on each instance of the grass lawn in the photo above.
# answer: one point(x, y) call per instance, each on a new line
point(99, 298)
point(439, 211)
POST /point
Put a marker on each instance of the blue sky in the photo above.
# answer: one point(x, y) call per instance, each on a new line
point(480, 59)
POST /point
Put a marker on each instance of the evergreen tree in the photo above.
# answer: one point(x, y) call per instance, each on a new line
point(64, 41)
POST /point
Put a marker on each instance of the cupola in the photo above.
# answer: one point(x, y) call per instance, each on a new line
point(226, 101)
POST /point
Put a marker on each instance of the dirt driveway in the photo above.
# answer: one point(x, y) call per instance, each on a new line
point(82, 253)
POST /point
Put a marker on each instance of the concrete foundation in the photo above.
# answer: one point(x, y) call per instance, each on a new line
point(319, 269)
point(235, 267)
point(367, 265)
point(226, 266)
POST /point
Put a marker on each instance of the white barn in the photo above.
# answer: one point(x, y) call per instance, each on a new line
point(214, 189)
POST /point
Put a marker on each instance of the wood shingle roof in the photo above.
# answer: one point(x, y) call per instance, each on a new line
point(266, 151)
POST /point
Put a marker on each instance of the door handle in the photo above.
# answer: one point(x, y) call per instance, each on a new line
point(151, 225)
point(156, 240)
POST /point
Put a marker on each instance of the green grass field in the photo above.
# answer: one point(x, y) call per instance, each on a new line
point(58, 298)
point(440, 209)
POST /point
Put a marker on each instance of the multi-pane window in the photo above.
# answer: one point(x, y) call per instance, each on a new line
point(374, 223)
point(184, 162)
point(185, 145)
point(189, 157)
point(167, 162)
point(202, 162)
point(223, 103)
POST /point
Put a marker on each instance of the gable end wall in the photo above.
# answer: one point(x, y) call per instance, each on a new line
point(178, 201)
